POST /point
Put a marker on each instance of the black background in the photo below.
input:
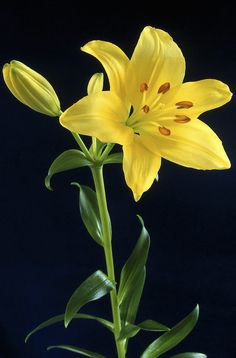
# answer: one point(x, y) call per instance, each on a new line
point(191, 215)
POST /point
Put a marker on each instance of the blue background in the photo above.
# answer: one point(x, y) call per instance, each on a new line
point(191, 215)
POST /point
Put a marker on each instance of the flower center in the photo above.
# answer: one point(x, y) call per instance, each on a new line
point(139, 123)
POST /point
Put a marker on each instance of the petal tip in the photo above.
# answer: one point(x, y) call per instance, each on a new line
point(137, 197)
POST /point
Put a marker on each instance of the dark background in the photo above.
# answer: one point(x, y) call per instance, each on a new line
point(191, 215)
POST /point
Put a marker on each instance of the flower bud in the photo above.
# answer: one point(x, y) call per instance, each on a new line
point(95, 83)
point(30, 88)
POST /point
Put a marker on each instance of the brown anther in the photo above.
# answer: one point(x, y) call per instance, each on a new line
point(145, 108)
point(184, 104)
point(182, 119)
point(164, 131)
point(143, 87)
point(164, 88)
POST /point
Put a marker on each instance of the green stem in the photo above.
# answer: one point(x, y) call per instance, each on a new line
point(106, 151)
point(97, 172)
point(82, 145)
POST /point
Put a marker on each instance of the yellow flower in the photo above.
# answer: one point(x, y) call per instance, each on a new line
point(149, 111)
point(30, 88)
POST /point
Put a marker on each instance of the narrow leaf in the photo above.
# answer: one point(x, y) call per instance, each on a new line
point(60, 318)
point(83, 352)
point(130, 330)
point(173, 337)
point(129, 305)
point(89, 212)
point(150, 325)
point(94, 287)
point(133, 277)
point(115, 158)
point(189, 355)
point(70, 159)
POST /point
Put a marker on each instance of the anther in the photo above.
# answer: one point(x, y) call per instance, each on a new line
point(164, 131)
point(182, 119)
point(143, 87)
point(184, 104)
point(164, 88)
point(145, 108)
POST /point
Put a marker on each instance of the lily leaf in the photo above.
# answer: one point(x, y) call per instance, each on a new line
point(83, 352)
point(130, 330)
point(173, 337)
point(189, 355)
point(133, 277)
point(60, 318)
point(114, 158)
point(89, 212)
point(70, 159)
point(94, 287)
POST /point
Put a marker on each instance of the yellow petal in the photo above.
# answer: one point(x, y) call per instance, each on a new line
point(156, 61)
point(101, 115)
point(113, 60)
point(193, 145)
point(199, 97)
point(140, 167)
point(95, 83)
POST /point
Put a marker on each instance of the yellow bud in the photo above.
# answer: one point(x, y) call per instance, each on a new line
point(95, 83)
point(30, 88)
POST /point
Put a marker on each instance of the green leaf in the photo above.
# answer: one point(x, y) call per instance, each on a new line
point(70, 159)
point(133, 277)
point(94, 287)
point(115, 158)
point(60, 318)
point(173, 337)
point(83, 352)
point(130, 330)
point(189, 355)
point(150, 325)
point(89, 212)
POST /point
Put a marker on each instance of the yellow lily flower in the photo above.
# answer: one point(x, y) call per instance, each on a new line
point(149, 111)
point(31, 88)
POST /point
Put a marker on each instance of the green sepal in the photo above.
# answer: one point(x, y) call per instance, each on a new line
point(114, 158)
point(173, 337)
point(133, 277)
point(60, 318)
point(89, 212)
point(130, 330)
point(70, 159)
point(189, 355)
point(94, 287)
point(83, 352)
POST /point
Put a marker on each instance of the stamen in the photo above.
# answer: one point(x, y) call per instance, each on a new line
point(182, 119)
point(184, 104)
point(164, 131)
point(145, 108)
point(143, 87)
point(164, 88)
